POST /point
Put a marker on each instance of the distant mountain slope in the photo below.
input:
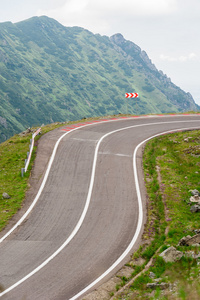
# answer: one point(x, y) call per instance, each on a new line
point(51, 73)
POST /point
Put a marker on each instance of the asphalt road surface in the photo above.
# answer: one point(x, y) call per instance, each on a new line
point(87, 214)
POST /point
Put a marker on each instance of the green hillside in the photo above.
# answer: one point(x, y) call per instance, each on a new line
point(51, 73)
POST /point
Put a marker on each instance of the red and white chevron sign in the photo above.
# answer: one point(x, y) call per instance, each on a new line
point(131, 95)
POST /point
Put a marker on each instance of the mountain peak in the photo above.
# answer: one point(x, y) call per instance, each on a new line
point(52, 73)
point(117, 38)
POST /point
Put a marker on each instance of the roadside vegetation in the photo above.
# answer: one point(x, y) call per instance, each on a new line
point(172, 168)
point(13, 153)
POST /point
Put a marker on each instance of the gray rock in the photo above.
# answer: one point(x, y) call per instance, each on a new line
point(187, 139)
point(195, 192)
point(163, 285)
point(190, 240)
point(194, 240)
point(152, 275)
point(171, 254)
point(155, 285)
point(152, 285)
point(195, 198)
point(5, 196)
point(195, 208)
point(183, 241)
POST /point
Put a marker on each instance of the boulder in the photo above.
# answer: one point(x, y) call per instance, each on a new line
point(190, 240)
point(195, 208)
point(171, 254)
point(193, 240)
point(152, 275)
point(183, 241)
point(195, 199)
point(5, 196)
point(195, 192)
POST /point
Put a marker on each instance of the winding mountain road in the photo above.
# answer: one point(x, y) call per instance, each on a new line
point(90, 213)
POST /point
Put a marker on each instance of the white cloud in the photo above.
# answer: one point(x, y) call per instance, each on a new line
point(73, 6)
point(182, 58)
point(99, 15)
point(76, 13)
point(134, 7)
point(193, 56)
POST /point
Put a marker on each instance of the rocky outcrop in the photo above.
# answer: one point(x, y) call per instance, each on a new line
point(195, 192)
point(189, 241)
point(195, 198)
point(171, 254)
point(133, 50)
point(195, 208)
point(148, 61)
point(27, 131)
point(155, 285)
point(119, 40)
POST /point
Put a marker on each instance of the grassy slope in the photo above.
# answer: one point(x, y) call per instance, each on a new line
point(51, 73)
point(13, 153)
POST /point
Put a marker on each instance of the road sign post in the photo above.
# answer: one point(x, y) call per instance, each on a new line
point(130, 95)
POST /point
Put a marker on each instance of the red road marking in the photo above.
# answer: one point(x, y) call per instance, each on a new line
point(69, 128)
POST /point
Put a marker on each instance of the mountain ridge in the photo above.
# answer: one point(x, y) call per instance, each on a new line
point(50, 73)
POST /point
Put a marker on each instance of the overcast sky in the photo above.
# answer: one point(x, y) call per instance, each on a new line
point(168, 30)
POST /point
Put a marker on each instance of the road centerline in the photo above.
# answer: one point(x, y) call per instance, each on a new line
point(85, 208)
point(116, 154)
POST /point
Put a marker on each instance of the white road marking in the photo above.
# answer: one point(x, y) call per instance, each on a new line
point(140, 216)
point(117, 154)
point(44, 181)
point(39, 192)
point(77, 227)
point(47, 174)
point(84, 140)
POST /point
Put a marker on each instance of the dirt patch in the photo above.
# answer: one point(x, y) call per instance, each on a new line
point(104, 291)
point(125, 272)
point(158, 170)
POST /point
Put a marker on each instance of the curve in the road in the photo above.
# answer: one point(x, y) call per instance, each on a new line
point(87, 205)
point(140, 217)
